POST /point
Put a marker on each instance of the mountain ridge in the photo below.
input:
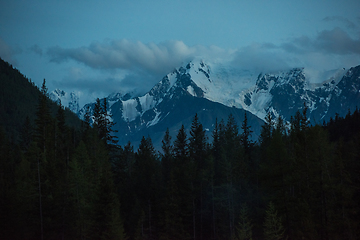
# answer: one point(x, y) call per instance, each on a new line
point(279, 93)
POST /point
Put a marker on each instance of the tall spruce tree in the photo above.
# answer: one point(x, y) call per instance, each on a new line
point(232, 166)
point(244, 227)
point(148, 175)
point(245, 136)
point(273, 228)
point(198, 150)
point(167, 156)
point(43, 138)
point(183, 174)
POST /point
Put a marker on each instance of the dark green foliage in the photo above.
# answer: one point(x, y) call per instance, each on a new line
point(55, 185)
point(273, 228)
point(244, 227)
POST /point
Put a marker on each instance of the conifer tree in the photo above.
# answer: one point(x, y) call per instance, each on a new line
point(218, 150)
point(247, 145)
point(183, 174)
point(200, 165)
point(106, 126)
point(180, 144)
point(245, 136)
point(26, 195)
point(266, 130)
point(6, 186)
point(26, 134)
point(97, 112)
point(82, 192)
point(167, 156)
point(273, 228)
point(43, 118)
point(126, 188)
point(244, 227)
point(87, 117)
point(232, 166)
point(43, 139)
point(173, 227)
point(147, 184)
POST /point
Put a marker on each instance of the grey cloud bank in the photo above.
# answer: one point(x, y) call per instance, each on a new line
point(129, 55)
point(335, 41)
point(349, 24)
point(149, 59)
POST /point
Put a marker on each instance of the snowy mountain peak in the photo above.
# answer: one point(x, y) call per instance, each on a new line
point(212, 84)
point(69, 100)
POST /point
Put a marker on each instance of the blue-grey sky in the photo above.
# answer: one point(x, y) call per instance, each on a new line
point(99, 47)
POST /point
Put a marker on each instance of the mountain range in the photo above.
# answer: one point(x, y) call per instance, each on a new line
point(216, 90)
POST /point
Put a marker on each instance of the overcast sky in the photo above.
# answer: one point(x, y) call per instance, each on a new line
point(99, 47)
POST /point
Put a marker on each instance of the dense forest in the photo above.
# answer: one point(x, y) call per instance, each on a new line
point(296, 182)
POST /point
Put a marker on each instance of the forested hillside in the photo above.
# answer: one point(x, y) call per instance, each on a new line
point(18, 101)
point(296, 182)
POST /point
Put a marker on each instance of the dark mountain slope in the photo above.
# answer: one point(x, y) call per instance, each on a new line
point(18, 100)
point(181, 111)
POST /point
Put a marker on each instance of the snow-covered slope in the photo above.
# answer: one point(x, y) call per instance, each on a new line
point(69, 100)
point(285, 93)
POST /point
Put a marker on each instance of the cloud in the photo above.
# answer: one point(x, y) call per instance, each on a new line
point(335, 41)
point(129, 55)
point(349, 24)
point(261, 58)
point(36, 49)
point(6, 52)
point(101, 83)
point(142, 61)
point(78, 78)
point(328, 50)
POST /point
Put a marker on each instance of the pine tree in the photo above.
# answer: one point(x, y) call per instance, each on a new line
point(82, 192)
point(126, 188)
point(7, 163)
point(26, 194)
point(200, 165)
point(103, 124)
point(167, 156)
point(247, 144)
point(183, 175)
point(218, 175)
point(173, 227)
point(180, 144)
point(43, 139)
point(245, 137)
point(97, 113)
point(147, 184)
point(244, 227)
point(106, 126)
point(266, 130)
point(43, 118)
point(26, 134)
point(273, 228)
point(232, 167)
point(87, 117)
